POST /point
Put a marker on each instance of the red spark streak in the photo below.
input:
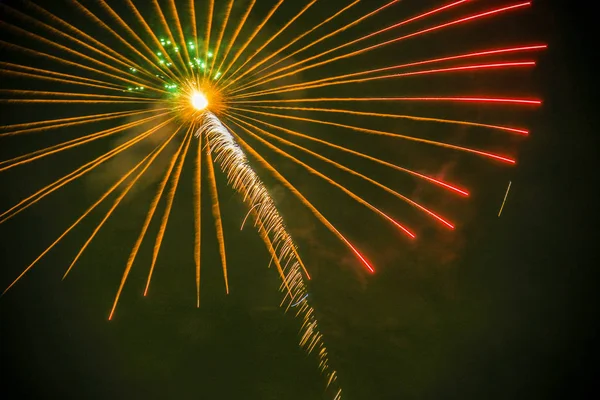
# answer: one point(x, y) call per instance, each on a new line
point(365, 262)
point(456, 22)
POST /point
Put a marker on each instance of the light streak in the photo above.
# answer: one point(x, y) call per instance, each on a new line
point(390, 134)
point(505, 196)
point(145, 226)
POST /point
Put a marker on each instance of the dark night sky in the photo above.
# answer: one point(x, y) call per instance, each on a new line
point(502, 308)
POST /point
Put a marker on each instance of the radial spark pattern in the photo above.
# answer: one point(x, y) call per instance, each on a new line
point(242, 78)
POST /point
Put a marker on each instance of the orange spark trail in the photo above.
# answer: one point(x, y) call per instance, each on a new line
point(180, 31)
point(74, 39)
point(116, 16)
point(519, 131)
point(75, 174)
point(273, 54)
point(65, 25)
point(216, 212)
point(67, 62)
point(198, 216)
point(303, 199)
point(237, 32)
point(474, 99)
point(19, 160)
point(211, 9)
point(118, 200)
point(88, 211)
point(69, 94)
point(463, 68)
point(156, 43)
point(162, 18)
point(343, 28)
point(59, 74)
point(149, 216)
point(61, 80)
point(326, 178)
point(258, 28)
point(356, 153)
point(411, 35)
point(169, 205)
point(430, 61)
point(115, 71)
point(68, 37)
point(344, 168)
point(383, 133)
point(63, 122)
point(192, 11)
point(267, 42)
point(220, 38)
point(346, 44)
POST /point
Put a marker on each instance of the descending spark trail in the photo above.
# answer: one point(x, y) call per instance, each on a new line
point(244, 180)
point(504, 201)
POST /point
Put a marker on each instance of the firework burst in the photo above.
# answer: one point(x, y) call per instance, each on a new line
point(218, 84)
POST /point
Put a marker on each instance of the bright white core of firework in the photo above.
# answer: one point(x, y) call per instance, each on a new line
point(199, 101)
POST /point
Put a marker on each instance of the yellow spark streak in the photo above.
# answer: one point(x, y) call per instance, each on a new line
point(378, 45)
point(67, 62)
point(216, 212)
point(346, 169)
point(89, 210)
point(328, 81)
point(54, 73)
point(198, 216)
point(328, 179)
point(397, 116)
point(504, 201)
point(116, 203)
point(211, 8)
point(76, 40)
point(64, 35)
point(223, 26)
point(237, 32)
point(23, 32)
point(64, 101)
point(180, 31)
point(156, 42)
point(346, 150)
point(71, 143)
point(271, 55)
point(68, 94)
point(378, 132)
point(266, 43)
point(48, 78)
point(343, 28)
point(122, 59)
point(192, 11)
point(165, 218)
point(77, 173)
point(115, 34)
point(169, 33)
point(63, 122)
point(258, 28)
point(149, 216)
